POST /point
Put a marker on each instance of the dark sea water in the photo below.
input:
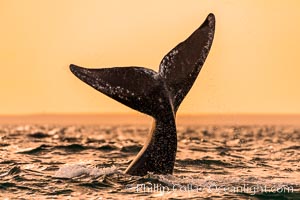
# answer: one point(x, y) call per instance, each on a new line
point(87, 162)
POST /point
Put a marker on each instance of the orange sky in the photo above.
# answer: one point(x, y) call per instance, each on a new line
point(253, 66)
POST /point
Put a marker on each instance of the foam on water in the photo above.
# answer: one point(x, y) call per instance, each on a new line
point(75, 170)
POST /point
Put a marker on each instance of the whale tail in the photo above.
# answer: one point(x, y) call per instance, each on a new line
point(150, 92)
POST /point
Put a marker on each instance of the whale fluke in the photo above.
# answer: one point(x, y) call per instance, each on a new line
point(157, 94)
point(181, 66)
point(136, 87)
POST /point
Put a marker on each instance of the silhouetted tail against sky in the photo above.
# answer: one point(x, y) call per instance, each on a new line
point(157, 94)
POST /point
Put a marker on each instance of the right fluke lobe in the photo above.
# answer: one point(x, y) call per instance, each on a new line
point(181, 66)
point(158, 94)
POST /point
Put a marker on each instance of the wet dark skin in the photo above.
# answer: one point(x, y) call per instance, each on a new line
point(157, 94)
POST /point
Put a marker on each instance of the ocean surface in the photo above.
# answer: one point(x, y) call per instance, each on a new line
point(87, 162)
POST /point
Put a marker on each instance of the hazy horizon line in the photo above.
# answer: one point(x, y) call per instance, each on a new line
point(139, 118)
point(138, 113)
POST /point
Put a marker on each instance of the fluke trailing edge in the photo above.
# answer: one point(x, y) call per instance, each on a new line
point(157, 94)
